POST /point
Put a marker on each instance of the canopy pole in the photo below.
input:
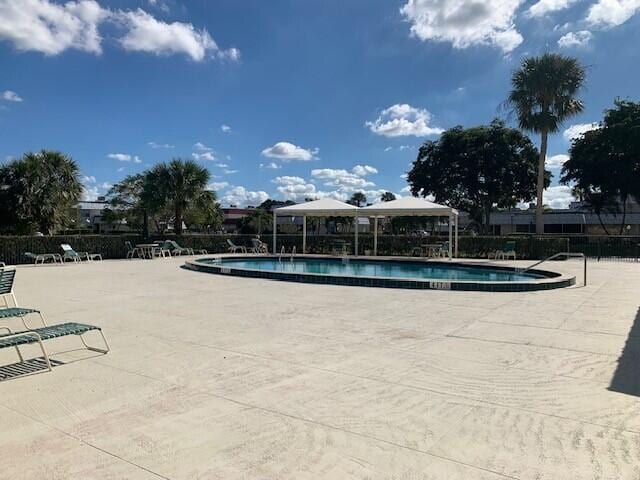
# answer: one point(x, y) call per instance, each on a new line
point(356, 249)
point(456, 248)
point(304, 234)
point(375, 236)
point(275, 227)
point(450, 236)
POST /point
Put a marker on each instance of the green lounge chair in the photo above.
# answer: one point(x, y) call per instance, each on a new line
point(508, 251)
point(11, 339)
point(43, 257)
point(176, 249)
point(11, 309)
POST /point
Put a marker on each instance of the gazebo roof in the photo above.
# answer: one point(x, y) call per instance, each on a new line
point(325, 207)
point(408, 207)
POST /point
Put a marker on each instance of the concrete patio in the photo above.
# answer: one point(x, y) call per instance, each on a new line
point(214, 377)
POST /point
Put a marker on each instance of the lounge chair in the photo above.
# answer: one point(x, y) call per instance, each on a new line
point(258, 246)
point(233, 248)
point(131, 250)
point(71, 254)
point(162, 249)
point(508, 251)
point(177, 249)
point(10, 308)
point(41, 258)
point(11, 339)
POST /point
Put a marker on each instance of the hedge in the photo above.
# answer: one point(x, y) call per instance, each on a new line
point(12, 248)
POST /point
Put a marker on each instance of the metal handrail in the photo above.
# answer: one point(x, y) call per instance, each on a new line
point(561, 254)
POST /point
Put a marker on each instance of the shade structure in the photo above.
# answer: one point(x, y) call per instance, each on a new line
point(325, 207)
point(413, 207)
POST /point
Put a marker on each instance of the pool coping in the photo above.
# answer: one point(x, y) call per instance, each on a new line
point(550, 280)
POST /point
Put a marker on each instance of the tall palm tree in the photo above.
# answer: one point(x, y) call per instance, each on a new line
point(177, 185)
point(543, 96)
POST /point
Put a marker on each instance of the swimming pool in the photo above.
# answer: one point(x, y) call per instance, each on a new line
point(395, 273)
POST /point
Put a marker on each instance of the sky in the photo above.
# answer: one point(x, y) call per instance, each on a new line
point(289, 99)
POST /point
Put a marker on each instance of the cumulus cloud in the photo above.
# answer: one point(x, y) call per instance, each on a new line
point(403, 120)
point(160, 145)
point(50, 28)
point(611, 13)
point(201, 147)
point(465, 23)
point(229, 172)
point(270, 166)
point(10, 96)
point(288, 151)
point(207, 156)
point(145, 33)
point(217, 186)
point(575, 39)
point(576, 131)
point(344, 179)
point(124, 157)
point(557, 161)
point(559, 196)
point(91, 190)
point(544, 7)
point(225, 128)
point(364, 170)
point(240, 196)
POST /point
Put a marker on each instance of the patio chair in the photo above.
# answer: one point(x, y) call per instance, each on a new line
point(442, 251)
point(41, 258)
point(10, 308)
point(71, 254)
point(11, 339)
point(131, 250)
point(233, 248)
point(508, 251)
point(258, 246)
point(177, 249)
point(162, 249)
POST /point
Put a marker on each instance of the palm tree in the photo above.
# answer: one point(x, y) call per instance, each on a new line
point(543, 96)
point(358, 199)
point(178, 186)
point(40, 190)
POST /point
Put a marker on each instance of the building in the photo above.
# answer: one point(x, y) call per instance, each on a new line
point(89, 216)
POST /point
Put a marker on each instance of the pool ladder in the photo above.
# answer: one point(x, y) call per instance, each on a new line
point(283, 252)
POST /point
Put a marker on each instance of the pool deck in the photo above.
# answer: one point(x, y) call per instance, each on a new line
point(214, 377)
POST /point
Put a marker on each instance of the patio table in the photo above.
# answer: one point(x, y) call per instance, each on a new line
point(147, 249)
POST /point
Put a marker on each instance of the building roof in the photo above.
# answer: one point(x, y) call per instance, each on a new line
point(325, 207)
point(409, 207)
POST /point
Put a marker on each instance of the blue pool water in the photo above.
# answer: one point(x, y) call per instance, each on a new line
point(372, 268)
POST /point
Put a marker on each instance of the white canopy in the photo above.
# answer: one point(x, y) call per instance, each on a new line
point(325, 207)
point(409, 207)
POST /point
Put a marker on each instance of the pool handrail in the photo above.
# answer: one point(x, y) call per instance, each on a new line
point(561, 254)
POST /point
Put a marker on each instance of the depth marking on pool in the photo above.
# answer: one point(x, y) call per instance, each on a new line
point(379, 272)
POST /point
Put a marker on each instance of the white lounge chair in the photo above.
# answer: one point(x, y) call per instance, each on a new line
point(71, 254)
point(258, 246)
point(233, 248)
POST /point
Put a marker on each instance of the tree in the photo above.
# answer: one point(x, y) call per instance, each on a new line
point(358, 199)
point(126, 204)
point(543, 96)
point(177, 185)
point(39, 190)
point(476, 169)
point(604, 164)
point(387, 197)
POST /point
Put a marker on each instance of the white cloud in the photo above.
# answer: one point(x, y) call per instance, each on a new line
point(87, 179)
point(270, 166)
point(148, 34)
point(10, 95)
point(124, 157)
point(364, 170)
point(557, 161)
point(341, 178)
point(242, 197)
point(121, 169)
point(160, 145)
point(575, 131)
point(207, 156)
point(388, 149)
point(288, 151)
point(222, 165)
point(543, 7)
point(229, 172)
point(465, 23)
point(201, 147)
point(91, 190)
point(90, 193)
point(402, 120)
point(217, 186)
point(559, 196)
point(51, 28)
point(575, 39)
point(611, 13)
point(225, 128)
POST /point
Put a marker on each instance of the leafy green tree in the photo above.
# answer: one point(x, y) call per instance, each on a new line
point(604, 164)
point(126, 204)
point(39, 190)
point(543, 96)
point(477, 169)
point(387, 197)
point(358, 199)
point(177, 186)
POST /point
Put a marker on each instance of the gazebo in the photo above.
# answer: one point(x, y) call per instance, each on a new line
point(402, 207)
point(413, 207)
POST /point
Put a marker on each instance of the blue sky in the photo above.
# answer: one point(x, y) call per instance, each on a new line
point(288, 99)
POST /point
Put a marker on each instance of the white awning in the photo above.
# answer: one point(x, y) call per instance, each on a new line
point(408, 207)
point(325, 207)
